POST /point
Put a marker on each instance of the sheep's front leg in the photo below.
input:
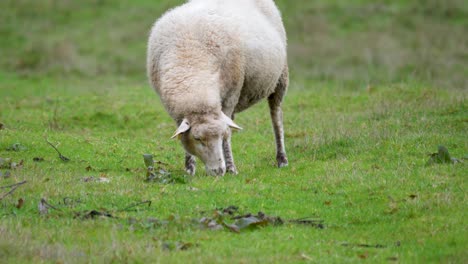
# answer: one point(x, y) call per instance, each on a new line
point(229, 159)
point(190, 164)
point(276, 113)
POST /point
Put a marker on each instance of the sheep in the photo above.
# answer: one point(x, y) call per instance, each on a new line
point(210, 59)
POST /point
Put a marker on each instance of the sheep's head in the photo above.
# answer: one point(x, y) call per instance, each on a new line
point(203, 135)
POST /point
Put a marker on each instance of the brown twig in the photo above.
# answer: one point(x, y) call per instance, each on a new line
point(13, 188)
point(60, 154)
point(362, 245)
point(44, 202)
point(318, 223)
point(13, 185)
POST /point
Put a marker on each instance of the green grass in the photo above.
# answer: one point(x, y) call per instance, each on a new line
point(357, 136)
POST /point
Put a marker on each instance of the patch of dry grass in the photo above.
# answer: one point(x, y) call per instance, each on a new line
point(356, 43)
point(371, 43)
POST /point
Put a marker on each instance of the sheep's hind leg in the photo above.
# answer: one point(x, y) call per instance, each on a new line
point(276, 113)
point(229, 159)
point(190, 164)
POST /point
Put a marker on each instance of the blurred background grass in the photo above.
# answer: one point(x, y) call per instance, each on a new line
point(353, 43)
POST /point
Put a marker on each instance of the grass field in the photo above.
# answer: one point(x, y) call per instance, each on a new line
point(375, 88)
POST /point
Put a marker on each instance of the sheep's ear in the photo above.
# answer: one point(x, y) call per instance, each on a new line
point(231, 123)
point(184, 127)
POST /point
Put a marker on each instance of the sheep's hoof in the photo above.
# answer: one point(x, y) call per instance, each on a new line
point(232, 170)
point(190, 170)
point(282, 161)
point(190, 164)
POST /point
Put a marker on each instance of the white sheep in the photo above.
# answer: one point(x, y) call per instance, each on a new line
point(210, 59)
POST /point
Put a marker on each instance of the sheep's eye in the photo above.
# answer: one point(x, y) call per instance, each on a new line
point(197, 138)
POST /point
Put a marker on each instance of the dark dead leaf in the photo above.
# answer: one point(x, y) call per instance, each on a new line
point(274, 220)
point(364, 255)
point(232, 227)
point(89, 168)
point(230, 210)
point(392, 259)
point(413, 196)
point(442, 157)
point(38, 159)
point(250, 222)
point(2, 126)
point(16, 147)
point(149, 161)
point(20, 203)
point(222, 218)
point(93, 214)
point(184, 245)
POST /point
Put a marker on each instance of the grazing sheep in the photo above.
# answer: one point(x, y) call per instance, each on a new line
point(210, 59)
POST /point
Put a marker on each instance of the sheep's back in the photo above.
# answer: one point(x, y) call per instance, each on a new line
point(211, 31)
